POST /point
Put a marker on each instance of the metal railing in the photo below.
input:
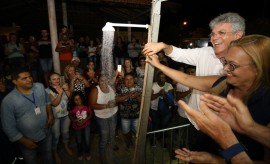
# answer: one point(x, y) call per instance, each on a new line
point(162, 143)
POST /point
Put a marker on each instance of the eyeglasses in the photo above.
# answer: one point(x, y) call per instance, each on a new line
point(232, 66)
point(219, 33)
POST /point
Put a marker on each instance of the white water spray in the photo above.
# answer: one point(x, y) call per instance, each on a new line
point(107, 65)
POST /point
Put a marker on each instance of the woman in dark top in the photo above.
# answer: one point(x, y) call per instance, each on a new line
point(247, 67)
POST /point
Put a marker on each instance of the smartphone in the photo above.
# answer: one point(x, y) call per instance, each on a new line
point(119, 67)
point(62, 80)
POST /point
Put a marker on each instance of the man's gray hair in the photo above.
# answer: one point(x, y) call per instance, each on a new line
point(238, 22)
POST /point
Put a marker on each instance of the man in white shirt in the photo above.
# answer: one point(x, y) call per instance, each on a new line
point(208, 60)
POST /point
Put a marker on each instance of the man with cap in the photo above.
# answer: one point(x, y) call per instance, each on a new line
point(75, 61)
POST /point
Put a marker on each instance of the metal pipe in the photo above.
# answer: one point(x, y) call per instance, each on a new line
point(109, 26)
point(130, 25)
point(163, 130)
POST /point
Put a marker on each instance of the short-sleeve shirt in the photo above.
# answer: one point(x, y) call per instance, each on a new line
point(156, 88)
point(61, 109)
point(80, 113)
point(19, 117)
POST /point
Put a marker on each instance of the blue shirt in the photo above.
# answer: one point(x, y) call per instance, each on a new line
point(19, 117)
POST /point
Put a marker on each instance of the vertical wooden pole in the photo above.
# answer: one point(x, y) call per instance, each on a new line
point(64, 12)
point(129, 32)
point(139, 156)
point(53, 34)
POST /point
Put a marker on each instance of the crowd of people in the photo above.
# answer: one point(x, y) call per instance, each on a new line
point(78, 96)
point(235, 67)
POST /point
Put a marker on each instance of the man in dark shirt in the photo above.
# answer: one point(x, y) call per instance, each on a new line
point(45, 54)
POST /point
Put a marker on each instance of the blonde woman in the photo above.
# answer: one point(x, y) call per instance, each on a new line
point(75, 80)
point(59, 98)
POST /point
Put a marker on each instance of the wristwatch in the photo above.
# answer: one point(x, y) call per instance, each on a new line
point(232, 151)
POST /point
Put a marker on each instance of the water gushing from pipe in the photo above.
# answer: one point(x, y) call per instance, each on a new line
point(107, 65)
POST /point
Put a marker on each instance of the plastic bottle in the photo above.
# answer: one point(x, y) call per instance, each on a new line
point(74, 54)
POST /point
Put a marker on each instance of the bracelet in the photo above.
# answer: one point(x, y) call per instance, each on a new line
point(232, 151)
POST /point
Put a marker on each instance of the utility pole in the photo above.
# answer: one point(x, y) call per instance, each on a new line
point(139, 156)
point(53, 34)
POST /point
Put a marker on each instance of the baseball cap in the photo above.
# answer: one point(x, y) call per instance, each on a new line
point(75, 58)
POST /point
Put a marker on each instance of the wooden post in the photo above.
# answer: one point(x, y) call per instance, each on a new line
point(53, 34)
point(64, 11)
point(129, 32)
point(139, 156)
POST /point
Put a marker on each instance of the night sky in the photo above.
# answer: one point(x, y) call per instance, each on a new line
point(199, 13)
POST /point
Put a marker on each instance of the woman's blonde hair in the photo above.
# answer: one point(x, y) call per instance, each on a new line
point(66, 71)
point(257, 47)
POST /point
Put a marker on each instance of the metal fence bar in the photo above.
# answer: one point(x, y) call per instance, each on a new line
point(169, 137)
point(175, 127)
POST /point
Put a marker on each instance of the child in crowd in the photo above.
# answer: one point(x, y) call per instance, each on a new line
point(80, 116)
